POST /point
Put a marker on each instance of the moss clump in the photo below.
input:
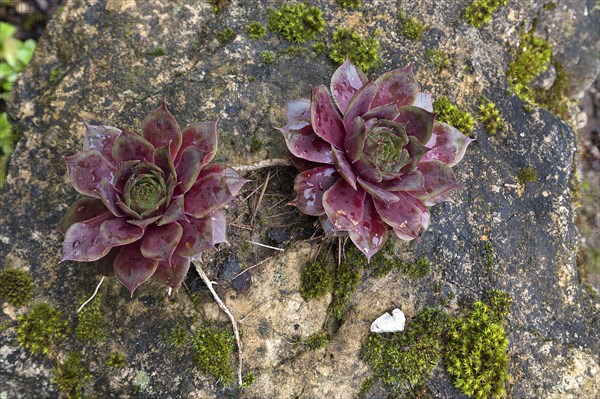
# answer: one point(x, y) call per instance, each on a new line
point(41, 327)
point(157, 52)
point(405, 360)
point(490, 117)
point(349, 3)
point(255, 145)
point(363, 52)
point(91, 326)
point(212, 352)
point(527, 175)
point(449, 113)
point(499, 302)
point(480, 11)
point(418, 269)
point(218, 5)
point(16, 286)
point(488, 255)
point(225, 35)
point(256, 30)
point(175, 337)
point(556, 98)
point(531, 59)
point(410, 27)
point(347, 277)
point(55, 72)
point(297, 23)
point(317, 341)
point(267, 56)
point(437, 58)
point(316, 279)
point(116, 361)
point(365, 387)
point(71, 376)
point(319, 47)
point(248, 379)
point(476, 353)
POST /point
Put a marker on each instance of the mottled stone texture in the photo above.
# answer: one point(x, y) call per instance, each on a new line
point(103, 73)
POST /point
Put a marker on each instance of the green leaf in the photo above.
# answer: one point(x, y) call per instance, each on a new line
point(5, 70)
point(25, 52)
point(6, 31)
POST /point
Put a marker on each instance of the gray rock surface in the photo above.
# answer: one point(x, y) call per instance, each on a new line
point(99, 52)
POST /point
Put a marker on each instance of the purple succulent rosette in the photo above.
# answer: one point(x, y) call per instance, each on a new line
point(374, 158)
point(151, 201)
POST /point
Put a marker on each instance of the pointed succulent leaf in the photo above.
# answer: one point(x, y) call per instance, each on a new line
point(447, 144)
point(377, 191)
point(360, 103)
point(367, 169)
point(423, 100)
point(132, 268)
point(354, 142)
point(104, 265)
point(207, 195)
point(82, 240)
point(344, 205)
point(439, 179)
point(127, 210)
point(371, 233)
point(108, 195)
point(416, 150)
point(387, 112)
point(160, 241)
point(404, 215)
point(130, 146)
point(200, 235)
point(117, 232)
point(143, 223)
point(101, 139)
point(325, 119)
point(303, 164)
point(304, 143)
point(310, 186)
point(174, 212)
point(172, 275)
point(162, 159)
point(81, 210)
point(328, 229)
point(298, 114)
point(160, 128)
point(410, 182)
point(418, 122)
point(203, 136)
point(345, 82)
point(146, 192)
point(86, 170)
point(344, 167)
point(396, 87)
point(188, 168)
point(123, 174)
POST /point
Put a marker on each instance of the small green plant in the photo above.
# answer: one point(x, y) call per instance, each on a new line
point(297, 23)
point(256, 30)
point(363, 52)
point(91, 326)
point(212, 352)
point(530, 60)
point(116, 361)
point(405, 360)
point(527, 175)
point(347, 277)
point(267, 57)
point(499, 302)
point(316, 279)
point(490, 117)
point(255, 145)
point(157, 52)
point(176, 336)
point(366, 387)
point(488, 255)
point(16, 286)
point(410, 27)
point(40, 328)
point(350, 4)
point(225, 35)
point(418, 269)
point(449, 113)
point(218, 5)
point(476, 353)
point(71, 376)
point(319, 47)
point(437, 58)
point(248, 379)
point(14, 57)
point(480, 11)
point(317, 341)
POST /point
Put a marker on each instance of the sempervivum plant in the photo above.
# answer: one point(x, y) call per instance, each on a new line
point(374, 158)
point(151, 203)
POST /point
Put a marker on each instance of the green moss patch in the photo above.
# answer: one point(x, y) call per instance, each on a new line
point(317, 341)
point(527, 175)
point(267, 57)
point(449, 113)
point(40, 328)
point(490, 117)
point(316, 279)
point(499, 302)
point(256, 30)
point(480, 11)
point(347, 277)
point(71, 377)
point(16, 286)
point(91, 326)
point(297, 23)
point(212, 352)
point(157, 52)
point(404, 360)
point(350, 4)
point(363, 52)
point(476, 353)
point(225, 35)
point(116, 361)
point(175, 337)
point(410, 27)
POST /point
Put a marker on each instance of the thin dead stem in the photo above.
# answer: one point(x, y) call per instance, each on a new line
point(224, 308)
point(267, 163)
